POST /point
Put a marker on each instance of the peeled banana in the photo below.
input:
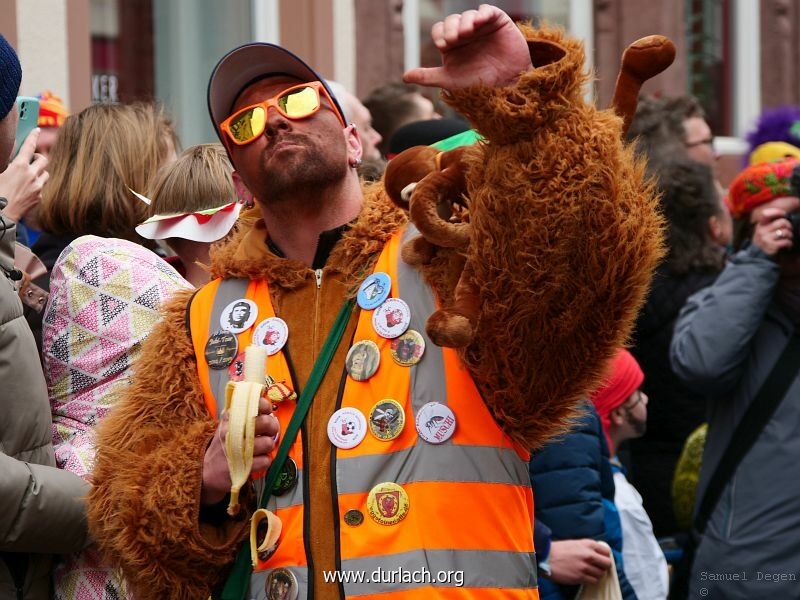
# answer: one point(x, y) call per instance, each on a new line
point(241, 404)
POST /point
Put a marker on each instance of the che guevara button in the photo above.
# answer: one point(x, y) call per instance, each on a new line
point(407, 350)
point(363, 360)
point(387, 503)
point(282, 584)
point(387, 419)
point(287, 479)
point(435, 422)
point(272, 334)
point(221, 349)
point(374, 290)
point(347, 427)
point(354, 517)
point(392, 318)
point(239, 315)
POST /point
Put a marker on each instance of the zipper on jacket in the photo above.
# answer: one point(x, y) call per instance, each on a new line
point(318, 275)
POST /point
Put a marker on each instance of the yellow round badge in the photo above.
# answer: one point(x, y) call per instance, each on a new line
point(387, 503)
point(387, 419)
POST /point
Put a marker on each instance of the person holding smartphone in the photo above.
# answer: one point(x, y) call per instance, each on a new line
point(36, 498)
point(22, 181)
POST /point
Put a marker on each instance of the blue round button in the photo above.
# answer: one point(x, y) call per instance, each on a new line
point(374, 290)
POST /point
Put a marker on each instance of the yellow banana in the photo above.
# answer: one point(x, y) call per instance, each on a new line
point(241, 403)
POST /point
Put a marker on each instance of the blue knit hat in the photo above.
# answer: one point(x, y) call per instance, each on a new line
point(10, 77)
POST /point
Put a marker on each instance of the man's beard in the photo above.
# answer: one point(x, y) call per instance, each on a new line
point(306, 170)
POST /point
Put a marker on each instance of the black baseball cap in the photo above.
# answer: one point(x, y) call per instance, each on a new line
point(247, 64)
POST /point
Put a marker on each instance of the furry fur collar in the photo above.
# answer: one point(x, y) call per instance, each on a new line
point(245, 253)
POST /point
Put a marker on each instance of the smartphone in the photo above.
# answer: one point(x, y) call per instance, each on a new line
point(28, 120)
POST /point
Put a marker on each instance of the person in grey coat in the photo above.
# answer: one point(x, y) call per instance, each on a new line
point(727, 339)
point(42, 508)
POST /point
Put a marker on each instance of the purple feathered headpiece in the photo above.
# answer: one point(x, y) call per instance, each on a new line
point(780, 124)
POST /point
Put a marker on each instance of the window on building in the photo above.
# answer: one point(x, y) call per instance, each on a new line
point(709, 60)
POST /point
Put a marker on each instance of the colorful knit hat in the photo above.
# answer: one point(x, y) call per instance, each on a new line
point(52, 111)
point(772, 152)
point(624, 377)
point(10, 77)
point(759, 184)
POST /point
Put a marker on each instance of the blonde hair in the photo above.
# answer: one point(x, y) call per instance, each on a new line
point(100, 153)
point(201, 178)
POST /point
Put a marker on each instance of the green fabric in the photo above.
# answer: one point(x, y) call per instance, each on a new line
point(239, 580)
point(465, 138)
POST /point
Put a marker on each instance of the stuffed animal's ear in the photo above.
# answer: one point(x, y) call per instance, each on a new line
point(410, 166)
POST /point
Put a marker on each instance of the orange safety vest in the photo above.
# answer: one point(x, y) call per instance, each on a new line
point(470, 501)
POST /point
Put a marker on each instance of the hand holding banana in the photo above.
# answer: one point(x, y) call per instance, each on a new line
point(217, 479)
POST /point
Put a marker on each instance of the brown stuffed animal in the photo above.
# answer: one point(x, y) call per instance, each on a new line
point(429, 184)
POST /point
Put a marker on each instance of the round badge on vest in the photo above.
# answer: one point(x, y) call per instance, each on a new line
point(236, 368)
point(347, 427)
point(239, 315)
point(363, 360)
point(435, 423)
point(392, 318)
point(281, 584)
point(407, 350)
point(221, 349)
point(287, 479)
point(272, 334)
point(374, 290)
point(387, 419)
point(354, 517)
point(387, 503)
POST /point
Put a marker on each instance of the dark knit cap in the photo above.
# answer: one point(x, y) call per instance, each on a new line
point(424, 133)
point(10, 77)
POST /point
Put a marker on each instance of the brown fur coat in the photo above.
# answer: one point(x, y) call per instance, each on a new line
point(564, 241)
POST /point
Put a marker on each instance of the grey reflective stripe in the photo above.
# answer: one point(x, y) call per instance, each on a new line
point(258, 582)
point(428, 462)
point(440, 568)
point(427, 376)
point(228, 291)
point(293, 497)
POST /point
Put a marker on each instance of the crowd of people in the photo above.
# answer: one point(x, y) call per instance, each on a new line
point(627, 308)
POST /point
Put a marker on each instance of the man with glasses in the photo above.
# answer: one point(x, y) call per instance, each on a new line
point(622, 407)
point(558, 206)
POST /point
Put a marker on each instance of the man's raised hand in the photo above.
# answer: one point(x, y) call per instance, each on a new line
point(477, 46)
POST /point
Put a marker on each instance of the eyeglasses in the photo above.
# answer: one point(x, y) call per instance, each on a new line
point(297, 102)
point(640, 397)
point(709, 141)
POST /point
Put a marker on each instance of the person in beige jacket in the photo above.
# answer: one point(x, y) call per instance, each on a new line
point(42, 509)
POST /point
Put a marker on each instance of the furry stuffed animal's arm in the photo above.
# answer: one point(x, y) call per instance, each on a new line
point(144, 507)
point(565, 237)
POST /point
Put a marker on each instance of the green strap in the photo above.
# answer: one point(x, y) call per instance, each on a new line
point(239, 580)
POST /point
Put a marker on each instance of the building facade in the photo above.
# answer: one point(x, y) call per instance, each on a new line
point(737, 56)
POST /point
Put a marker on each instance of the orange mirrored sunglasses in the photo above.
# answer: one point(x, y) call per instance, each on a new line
point(297, 102)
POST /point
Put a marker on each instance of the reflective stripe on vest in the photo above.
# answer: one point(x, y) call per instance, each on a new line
point(471, 506)
point(470, 502)
point(205, 311)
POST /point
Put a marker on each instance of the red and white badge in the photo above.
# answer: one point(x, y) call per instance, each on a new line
point(392, 318)
point(272, 334)
point(347, 427)
point(435, 423)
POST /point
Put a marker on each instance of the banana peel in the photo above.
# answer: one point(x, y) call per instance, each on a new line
point(241, 404)
point(260, 520)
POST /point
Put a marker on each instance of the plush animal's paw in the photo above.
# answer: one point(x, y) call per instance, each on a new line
point(648, 56)
point(449, 328)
